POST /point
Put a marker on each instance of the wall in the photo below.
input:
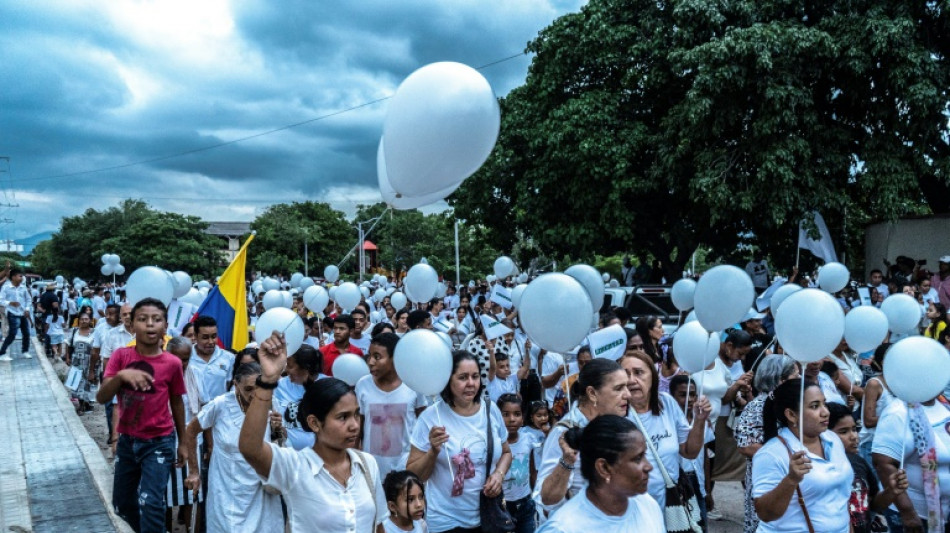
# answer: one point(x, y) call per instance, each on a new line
point(920, 238)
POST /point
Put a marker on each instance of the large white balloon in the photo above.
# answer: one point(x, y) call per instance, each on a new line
point(723, 296)
point(555, 312)
point(440, 127)
point(865, 328)
point(504, 266)
point(295, 279)
point(903, 313)
point(348, 295)
point(592, 281)
point(270, 284)
point(306, 283)
point(113, 259)
point(682, 294)
point(423, 361)
point(149, 282)
point(422, 282)
point(331, 273)
point(379, 295)
point(350, 368)
point(516, 294)
point(365, 292)
point(332, 292)
point(284, 320)
point(398, 300)
point(256, 289)
point(781, 294)
point(184, 283)
point(119, 270)
point(397, 200)
point(272, 300)
point(695, 348)
point(833, 277)
point(917, 369)
point(107, 269)
point(288, 299)
point(316, 298)
point(809, 325)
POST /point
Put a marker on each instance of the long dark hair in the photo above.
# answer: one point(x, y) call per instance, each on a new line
point(941, 317)
point(644, 325)
point(785, 396)
point(604, 439)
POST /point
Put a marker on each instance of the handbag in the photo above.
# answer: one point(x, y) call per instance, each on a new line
point(492, 511)
point(681, 514)
point(369, 483)
point(798, 490)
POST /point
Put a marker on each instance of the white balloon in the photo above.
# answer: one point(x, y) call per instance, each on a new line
point(917, 369)
point(332, 292)
point(781, 294)
point(446, 339)
point(295, 279)
point(613, 283)
point(364, 291)
point(306, 283)
point(809, 325)
point(421, 283)
point(516, 294)
point(833, 277)
point(149, 282)
point(379, 295)
point(374, 317)
point(606, 277)
point(682, 294)
point(903, 313)
point(106, 269)
point(591, 279)
point(555, 312)
point(331, 273)
point(440, 126)
point(397, 200)
point(113, 259)
point(523, 277)
point(257, 289)
point(350, 368)
point(193, 297)
point(723, 296)
point(105, 258)
point(695, 348)
point(287, 299)
point(203, 284)
point(490, 278)
point(440, 290)
point(272, 300)
point(504, 266)
point(281, 319)
point(348, 295)
point(118, 269)
point(184, 283)
point(865, 328)
point(316, 298)
point(204, 291)
point(423, 361)
point(398, 300)
point(60, 279)
point(270, 284)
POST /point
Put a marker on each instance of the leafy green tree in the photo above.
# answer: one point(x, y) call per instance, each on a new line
point(282, 230)
point(658, 127)
point(43, 260)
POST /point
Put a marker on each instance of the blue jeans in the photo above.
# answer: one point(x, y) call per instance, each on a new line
point(16, 323)
point(524, 514)
point(142, 469)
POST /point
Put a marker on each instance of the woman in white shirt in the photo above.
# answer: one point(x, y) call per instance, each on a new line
point(790, 476)
point(600, 389)
point(236, 499)
point(330, 486)
point(662, 421)
point(450, 449)
point(614, 463)
point(303, 368)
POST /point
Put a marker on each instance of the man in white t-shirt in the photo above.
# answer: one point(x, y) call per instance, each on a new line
point(758, 270)
point(209, 368)
point(552, 373)
point(99, 305)
point(358, 337)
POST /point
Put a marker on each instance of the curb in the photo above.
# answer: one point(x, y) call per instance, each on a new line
point(95, 462)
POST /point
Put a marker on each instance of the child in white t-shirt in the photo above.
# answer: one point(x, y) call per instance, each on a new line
point(406, 499)
point(500, 379)
point(389, 407)
point(519, 480)
point(56, 323)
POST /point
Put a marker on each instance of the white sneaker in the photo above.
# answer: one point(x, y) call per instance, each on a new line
point(5, 358)
point(714, 514)
point(27, 355)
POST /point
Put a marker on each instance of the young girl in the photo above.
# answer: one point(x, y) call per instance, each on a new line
point(866, 495)
point(56, 324)
point(406, 499)
point(521, 476)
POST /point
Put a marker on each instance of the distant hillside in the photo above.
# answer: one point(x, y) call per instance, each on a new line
point(30, 242)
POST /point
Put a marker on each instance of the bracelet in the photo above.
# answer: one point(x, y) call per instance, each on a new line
point(565, 466)
point(266, 385)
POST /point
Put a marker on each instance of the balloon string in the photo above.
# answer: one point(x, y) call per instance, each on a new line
point(904, 437)
point(762, 354)
point(448, 458)
point(686, 408)
point(567, 382)
point(801, 414)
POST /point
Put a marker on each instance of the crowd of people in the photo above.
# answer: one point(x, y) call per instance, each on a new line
point(520, 439)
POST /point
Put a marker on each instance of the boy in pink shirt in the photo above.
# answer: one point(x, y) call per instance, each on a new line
point(148, 380)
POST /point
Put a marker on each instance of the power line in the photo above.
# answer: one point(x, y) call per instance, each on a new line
point(238, 140)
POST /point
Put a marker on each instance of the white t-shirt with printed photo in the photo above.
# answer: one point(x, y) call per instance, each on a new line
point(388, 418)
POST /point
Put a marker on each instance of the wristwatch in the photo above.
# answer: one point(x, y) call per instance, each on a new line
point(266, 385)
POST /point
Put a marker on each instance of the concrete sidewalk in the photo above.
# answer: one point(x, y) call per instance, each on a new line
point(53, 477)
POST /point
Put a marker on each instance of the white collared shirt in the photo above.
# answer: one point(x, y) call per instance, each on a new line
point(19, 293)
point(206, 381)
point(826, 487)
point(317, 502)
point(113, 339)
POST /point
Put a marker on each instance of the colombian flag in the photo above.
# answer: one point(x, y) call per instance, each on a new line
point(227, 303)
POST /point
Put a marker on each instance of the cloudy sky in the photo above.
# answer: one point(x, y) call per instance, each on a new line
point(87, 85)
